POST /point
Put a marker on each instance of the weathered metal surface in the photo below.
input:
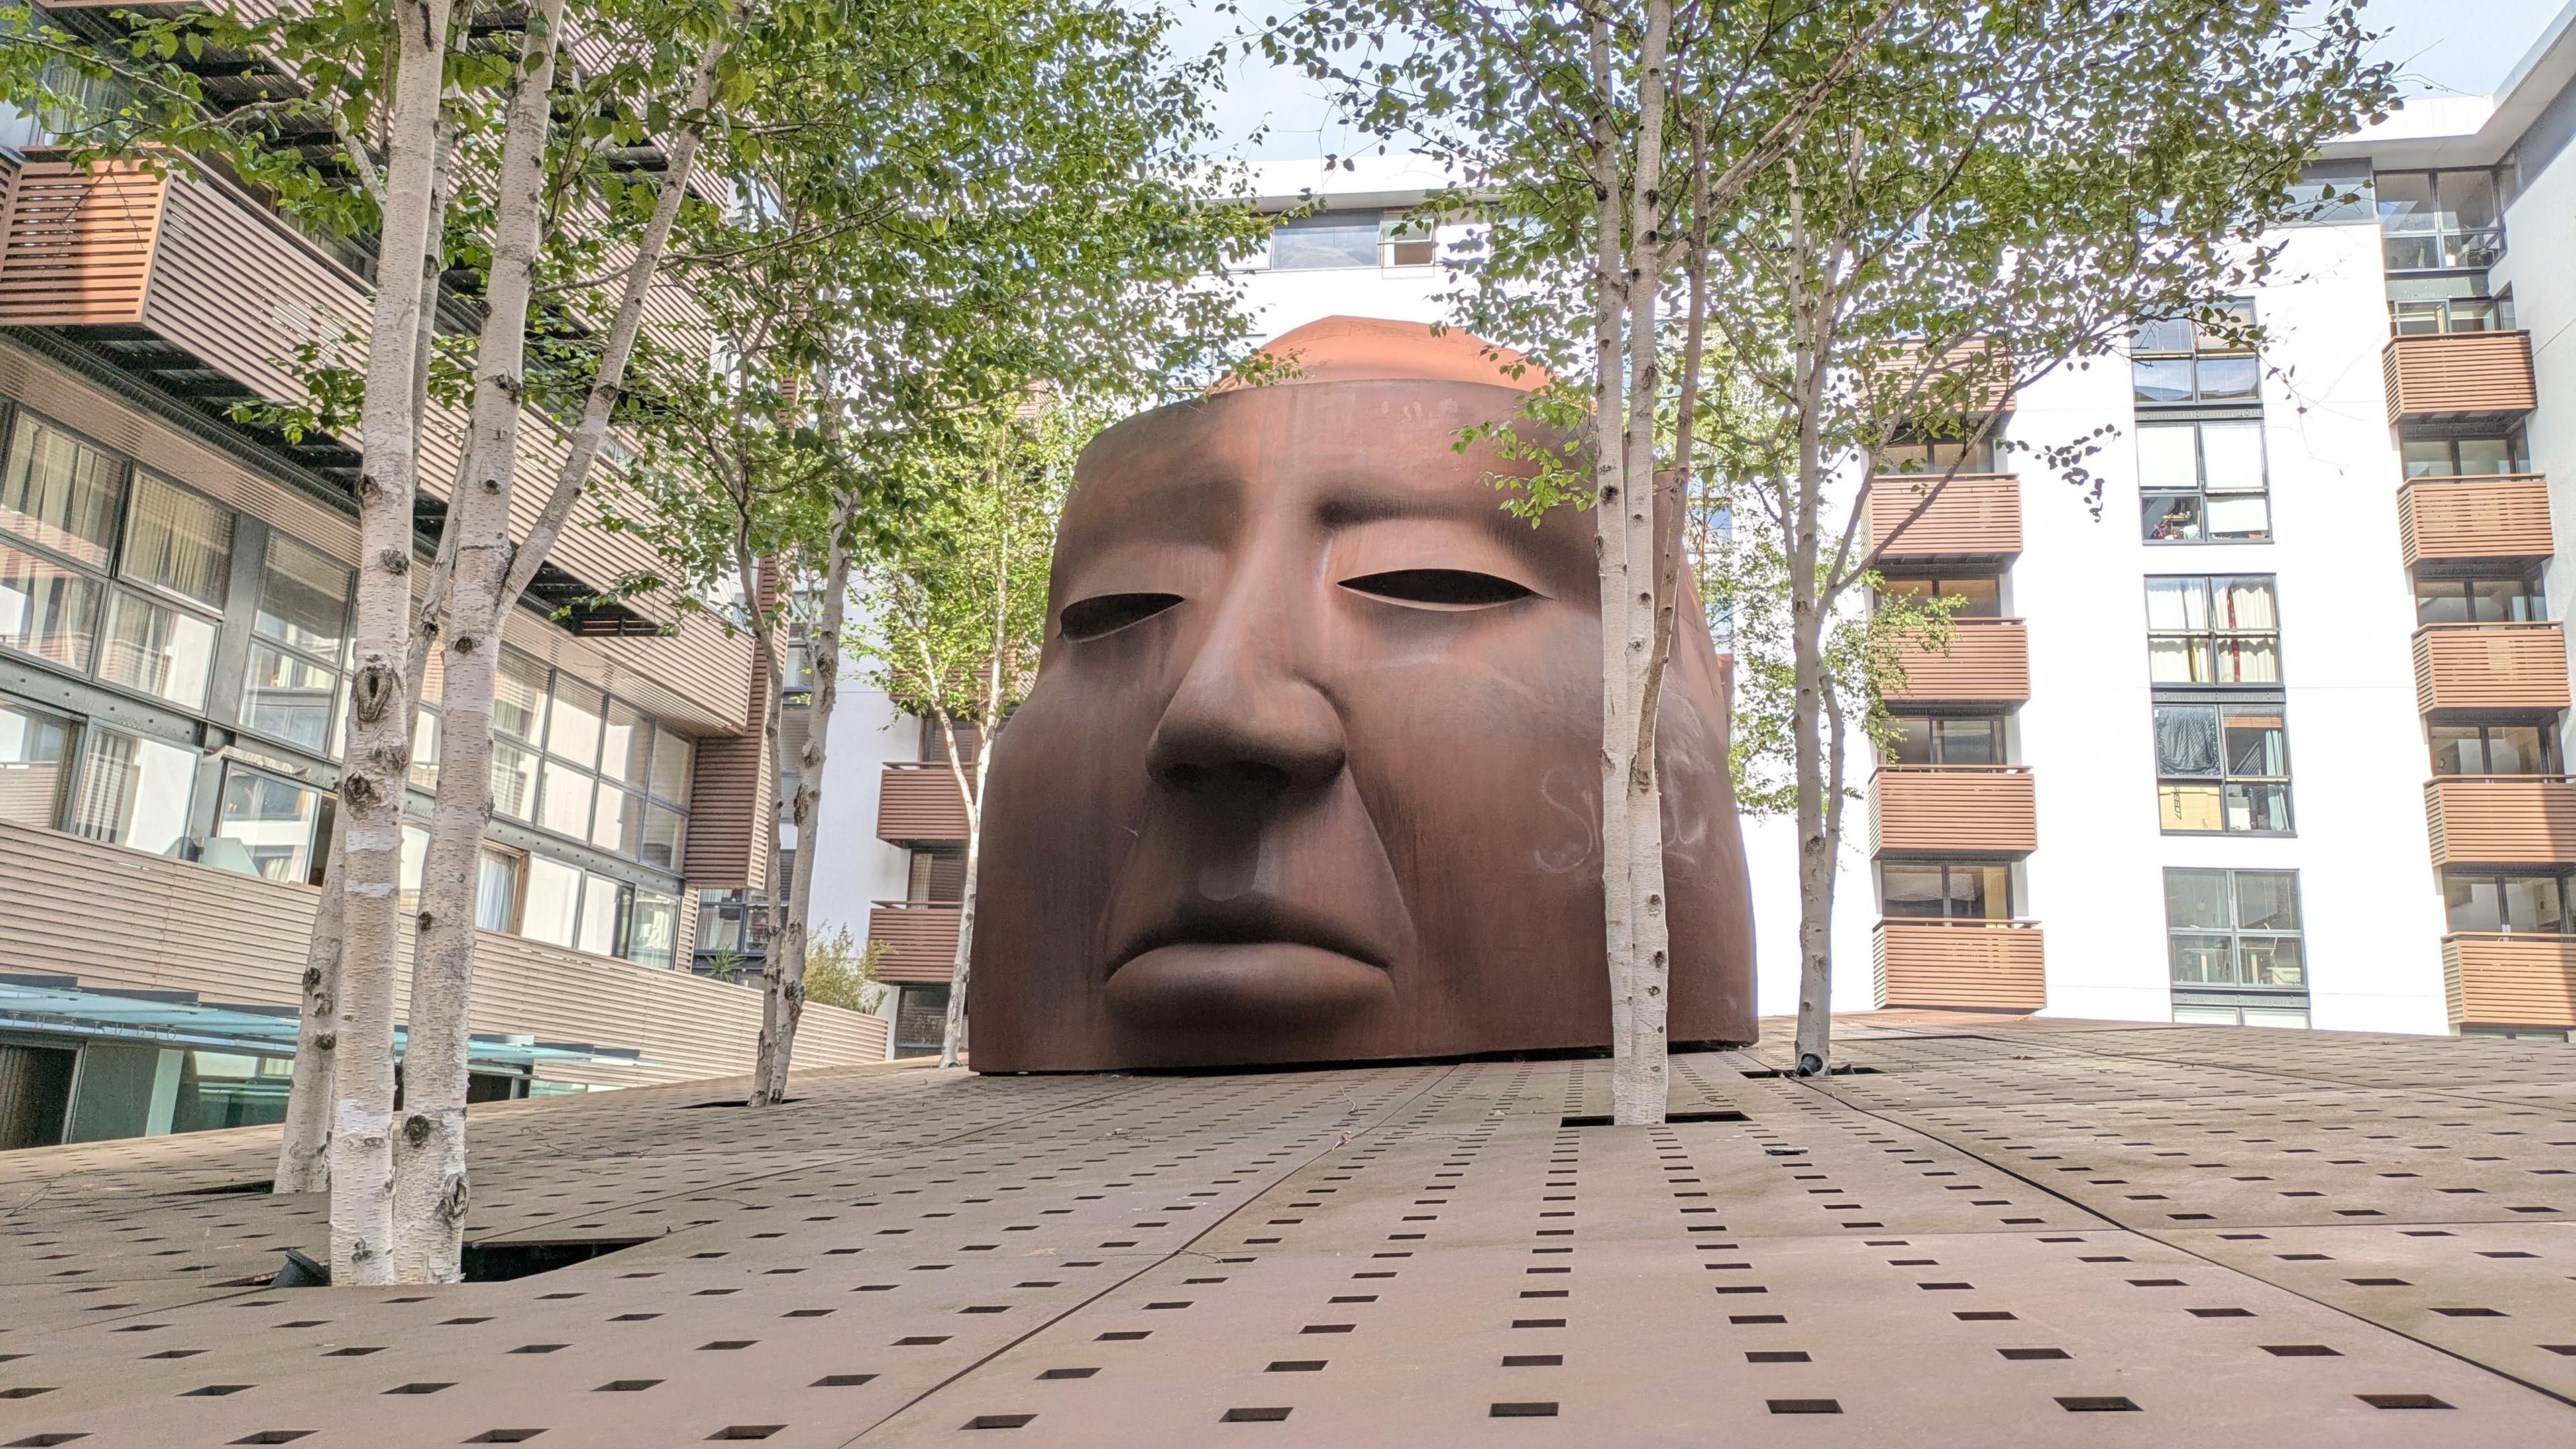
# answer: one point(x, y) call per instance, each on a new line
point(1311, 768)
point(1918, 1254)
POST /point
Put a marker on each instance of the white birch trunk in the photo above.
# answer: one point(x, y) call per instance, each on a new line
point(1811, 700)
point(431, 1188)
point(952, 1036)
point(794, 930)
point(378, 753)
point(782, 995)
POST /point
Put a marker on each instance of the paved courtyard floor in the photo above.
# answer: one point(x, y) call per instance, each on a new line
point(2016, 1233)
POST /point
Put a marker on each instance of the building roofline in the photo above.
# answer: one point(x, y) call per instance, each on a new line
point(2526, 91)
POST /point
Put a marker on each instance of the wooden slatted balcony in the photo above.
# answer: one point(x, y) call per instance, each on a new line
point(1974, 516)
point(920, 937)
point(1971, 965)
point(2518, 979)
point(2489, 667)
point(1988, 662)
point(2501, 819)
point(185, 279)
point(2480, 516)
point(2458, 377)
point(1983, 810)
point(920, 805)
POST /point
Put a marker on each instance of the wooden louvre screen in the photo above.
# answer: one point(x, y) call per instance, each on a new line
point(78, 244)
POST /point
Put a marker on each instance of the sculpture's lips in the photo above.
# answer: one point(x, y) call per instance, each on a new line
point(1248, 921)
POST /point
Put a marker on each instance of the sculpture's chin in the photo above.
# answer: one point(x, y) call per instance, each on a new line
point(1265, 986)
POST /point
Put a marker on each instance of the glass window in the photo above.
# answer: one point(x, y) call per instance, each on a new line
point(2237, 928)
point(1943, 740)
point(2534, 901)
point(1982, 597)
point(564, 808)
point(2222, 768)
point(2200, 482)
point(413, 865)
point(32, 760)
point(1971, 891)
point(178, 541)
point(1326, 239)
point(272, 820)
point(424, 750)
point(304, 599)
point(653, 928)
point(290, 698)
point(664, 832)
point(46, 609)
point(158, 650)
point(514, 779)
point(2435, 219)
point(2494, 749)
point(134, 792)
point(2481, 599)
point(552, 903)
point(618, 824)
point(603, 912)
point(496, 890)
point(2196, 360)
point(2221, 630)
point(672, 757)
point(1937, 456)
point(572, 731)
point(626, 745)
point(519, 696)
point(60, 492)
point(2464, 457)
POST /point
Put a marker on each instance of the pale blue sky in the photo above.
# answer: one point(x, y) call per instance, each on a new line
point(2442, 47)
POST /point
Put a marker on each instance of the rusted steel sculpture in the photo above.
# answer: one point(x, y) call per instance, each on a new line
point(1309, 772)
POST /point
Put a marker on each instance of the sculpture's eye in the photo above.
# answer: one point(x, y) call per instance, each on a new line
point(1439, 588)
point(1108, 613)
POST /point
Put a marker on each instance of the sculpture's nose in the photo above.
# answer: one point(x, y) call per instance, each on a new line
point(1246, 720)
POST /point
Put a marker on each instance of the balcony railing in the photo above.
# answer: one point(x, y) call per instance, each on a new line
point(1988, 810)
point(920, 939)
point(2501, 819)
point(1973, 515)
point(2490, 666)
point(1973, 965)
point(1988, 662)
point(2483, 515)
point(920, 804)
point(207, 291)
point(2510, 979)
point(2458, 376)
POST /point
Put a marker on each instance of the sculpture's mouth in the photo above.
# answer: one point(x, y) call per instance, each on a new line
point(1246, 962)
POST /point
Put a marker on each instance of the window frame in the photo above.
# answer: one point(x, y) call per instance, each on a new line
point(2237, 933)
point(2200, 492)
point(2192, 359)
point(2011, 887)
point(2564, 877)
point(2546, 730)
point(2206, 640)
point(2227, 776)
point(2443, 234)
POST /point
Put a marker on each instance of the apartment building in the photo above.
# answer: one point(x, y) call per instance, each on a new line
point(174, 646)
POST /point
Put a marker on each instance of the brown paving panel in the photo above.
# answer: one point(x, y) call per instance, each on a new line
point(2497, 1293)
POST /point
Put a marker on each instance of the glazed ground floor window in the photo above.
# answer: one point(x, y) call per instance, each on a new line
point(2234, 928)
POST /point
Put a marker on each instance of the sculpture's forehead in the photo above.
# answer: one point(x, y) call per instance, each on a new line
point(1351, 449)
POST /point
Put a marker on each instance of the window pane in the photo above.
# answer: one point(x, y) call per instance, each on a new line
point(672, 754)
point(2503, 599)
point(565, 806)
point(2413, 254)
point(2249, 659)
point(2468, 200)
point(2534, 903)
point(2476, 903)
point(2162, 379)
point(1910, 890)
point(653, 927)
point(514, 779)
point(2190, 807)
point(2457, 750)
point(1912, 742)
point(2270, 961)
point(290, 697)
point(572, 731)
point(2232, 456)
point(2245, 603)
point(2166, 462)
point(602, 908)
point(627, 744)
point(2428, 459)
point(179, 541)
point(2252, 807)
point(496, 890)
point(424, 750)
point(2257, 744)
point(2267, 900)
point(413, 864)
point(2200, 960)
point(2241, 517)
point(553, 899)
point(46, 610)
point(619, 823)
point(2441, 601)
point(2187, 740)
point(272, 820)
point(1333, 239)
point(2227, 379)
point(31, 766)
point(2196, 899)
point(518, 696)
point(1971, 741)
point(2163, 334)
point(2177, 603)
point(157, 650)
point(2481, 455)
point(304, 599)
point(2171, 518)
point(664, 832)
point(60, 492)
point(2516, 750)
point(1984, 597)
point(2405, 201)
point(134, 792)
point(2178, 659)
point(1992, 895)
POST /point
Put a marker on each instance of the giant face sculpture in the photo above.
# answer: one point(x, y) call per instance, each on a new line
point(1310, 769)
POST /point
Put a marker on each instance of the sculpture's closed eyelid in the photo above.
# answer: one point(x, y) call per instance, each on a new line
point(1432, 588)
point(1108, 613)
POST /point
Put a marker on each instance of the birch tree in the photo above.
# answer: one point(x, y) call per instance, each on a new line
point(957, 613)
point(1601, 143)
point(2005, 191)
